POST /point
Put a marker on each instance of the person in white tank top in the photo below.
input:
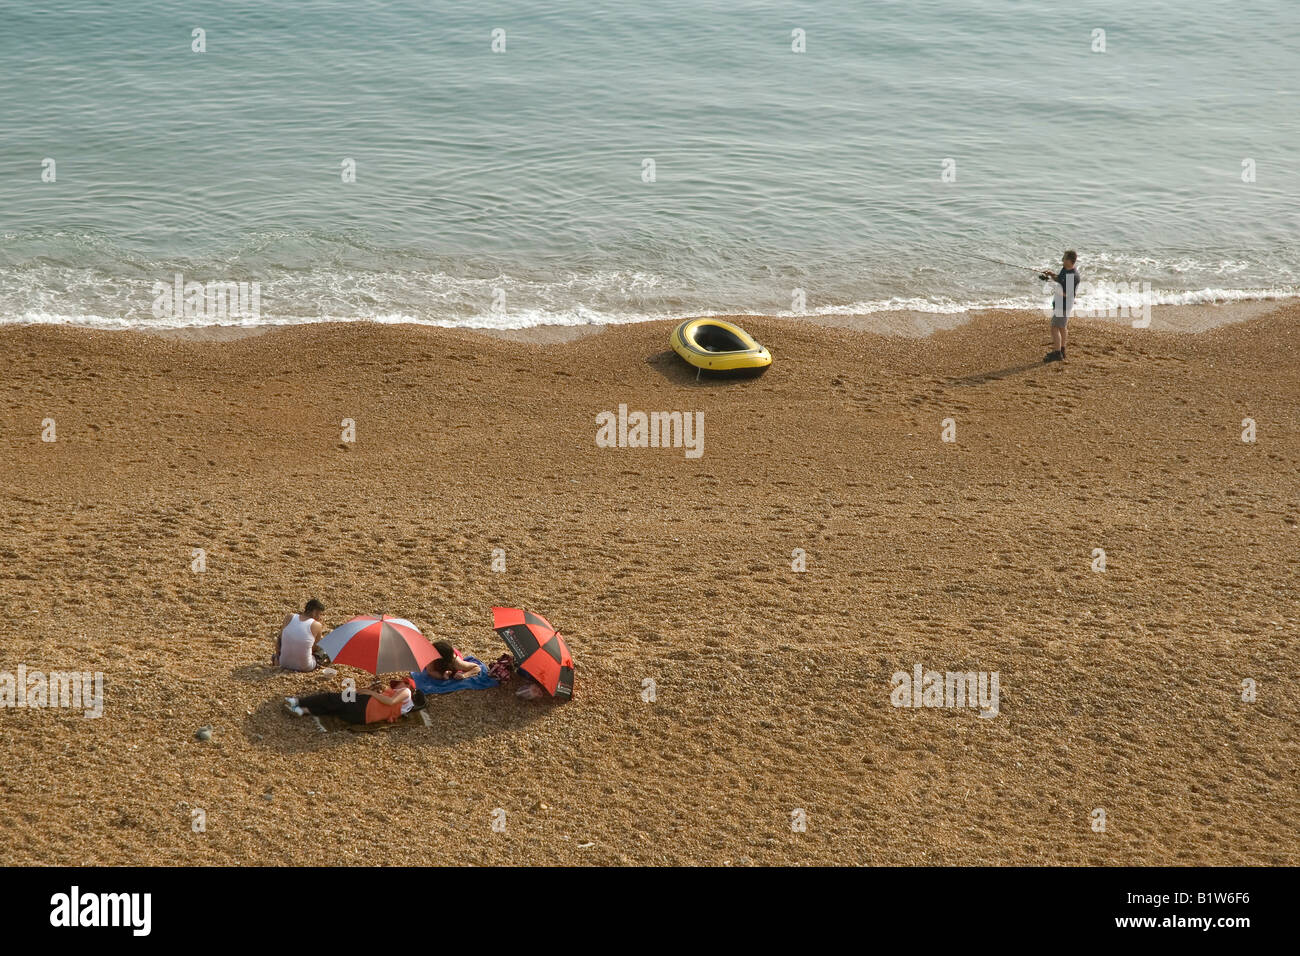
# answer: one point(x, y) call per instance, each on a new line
point(298, 637)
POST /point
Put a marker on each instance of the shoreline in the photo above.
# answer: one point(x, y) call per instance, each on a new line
point(902, 323)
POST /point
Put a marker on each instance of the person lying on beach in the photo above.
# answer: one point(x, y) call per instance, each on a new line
point(296, 644)
point(381, 701)
point(1067, 283)
point(450, 665)
point(529, 689)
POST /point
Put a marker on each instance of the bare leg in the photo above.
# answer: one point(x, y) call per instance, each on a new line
point(1058, 339)
point(1065, 334)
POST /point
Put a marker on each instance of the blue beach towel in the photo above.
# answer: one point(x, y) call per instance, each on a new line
point(479, 681)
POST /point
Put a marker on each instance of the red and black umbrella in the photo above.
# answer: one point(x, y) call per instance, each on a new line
point(537, 647)
point(380, 645)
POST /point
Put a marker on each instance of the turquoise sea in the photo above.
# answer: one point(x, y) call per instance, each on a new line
point(511, 186)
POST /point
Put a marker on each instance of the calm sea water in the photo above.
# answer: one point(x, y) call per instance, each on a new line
point(509, 188)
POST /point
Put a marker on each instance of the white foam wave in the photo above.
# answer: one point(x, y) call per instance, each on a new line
point(581, 315)
point(45, 294)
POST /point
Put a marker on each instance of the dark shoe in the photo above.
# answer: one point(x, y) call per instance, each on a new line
point(1062, 353)
point(1052, 357)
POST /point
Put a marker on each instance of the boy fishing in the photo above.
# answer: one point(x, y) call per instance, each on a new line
point(1067, 283)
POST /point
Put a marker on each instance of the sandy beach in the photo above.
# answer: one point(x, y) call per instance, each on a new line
point(1119, 690)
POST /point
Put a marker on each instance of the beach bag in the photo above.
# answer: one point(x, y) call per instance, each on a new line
point(502, 669)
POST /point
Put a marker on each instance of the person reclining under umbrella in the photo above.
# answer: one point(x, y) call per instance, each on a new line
point(450, 664)
point(381, 701)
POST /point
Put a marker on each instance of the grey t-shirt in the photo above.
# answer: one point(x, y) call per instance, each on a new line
point(1067, 281)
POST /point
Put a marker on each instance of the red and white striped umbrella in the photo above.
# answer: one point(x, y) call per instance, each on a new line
point(380, 645)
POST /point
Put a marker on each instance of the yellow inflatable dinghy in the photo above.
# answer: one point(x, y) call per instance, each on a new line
point(718, 346)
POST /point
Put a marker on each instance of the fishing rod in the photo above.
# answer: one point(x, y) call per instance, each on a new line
point(1002, 263)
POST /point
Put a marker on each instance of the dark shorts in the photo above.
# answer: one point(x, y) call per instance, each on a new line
point(333, 704)
point(1058, 321)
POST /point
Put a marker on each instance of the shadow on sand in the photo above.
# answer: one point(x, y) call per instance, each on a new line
point(255, 673)
point(672, 367)
point(454, 719)
point(984, 377)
